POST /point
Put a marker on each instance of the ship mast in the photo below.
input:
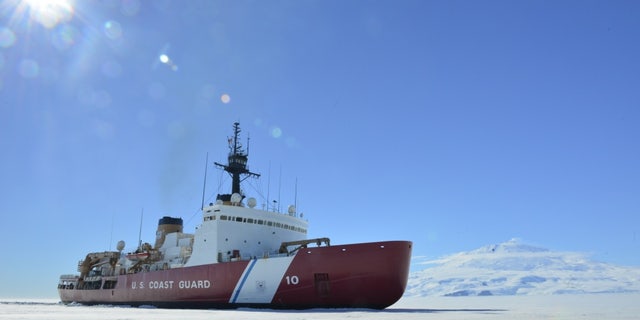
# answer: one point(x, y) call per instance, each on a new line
point(236, 165)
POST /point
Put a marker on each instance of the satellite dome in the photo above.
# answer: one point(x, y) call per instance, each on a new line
point(236, 198)
point(292, 210)
point(120, 245)
point(251, 202)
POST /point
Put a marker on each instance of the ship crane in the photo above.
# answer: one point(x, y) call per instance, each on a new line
point(301, 244)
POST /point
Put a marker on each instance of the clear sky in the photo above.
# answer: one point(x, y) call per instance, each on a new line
point(454, 124)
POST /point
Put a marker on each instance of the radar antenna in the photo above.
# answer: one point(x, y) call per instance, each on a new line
point(237, 164)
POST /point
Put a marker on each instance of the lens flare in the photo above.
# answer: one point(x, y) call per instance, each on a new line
point(7, 37)
point(276, 132)
point(49, 13)
point(27, 13)
point(113, 30)
point(166, 60)
point(65, 37)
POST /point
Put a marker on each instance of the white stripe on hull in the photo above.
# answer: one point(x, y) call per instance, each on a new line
point(260, 280)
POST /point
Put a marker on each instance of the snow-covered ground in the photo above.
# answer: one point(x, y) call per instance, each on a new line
point(567, 306)
point(514, 268)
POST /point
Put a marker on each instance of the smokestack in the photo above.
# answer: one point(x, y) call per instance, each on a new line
point(167, 225)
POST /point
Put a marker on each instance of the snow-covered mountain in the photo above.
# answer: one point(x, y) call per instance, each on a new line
point(513, 268)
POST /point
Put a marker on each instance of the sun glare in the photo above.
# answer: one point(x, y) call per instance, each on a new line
point(49, 13)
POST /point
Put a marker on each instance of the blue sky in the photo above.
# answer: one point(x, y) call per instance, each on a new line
point(454, 124)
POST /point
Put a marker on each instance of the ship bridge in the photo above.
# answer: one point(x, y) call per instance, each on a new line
point(234, 232)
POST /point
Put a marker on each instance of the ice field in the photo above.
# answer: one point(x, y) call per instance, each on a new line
point(568, 306)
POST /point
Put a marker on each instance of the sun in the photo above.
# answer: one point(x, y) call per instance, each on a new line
point(48, 13)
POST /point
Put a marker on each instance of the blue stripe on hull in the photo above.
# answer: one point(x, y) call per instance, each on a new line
point(243, 280)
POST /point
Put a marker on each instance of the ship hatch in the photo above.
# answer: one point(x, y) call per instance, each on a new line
point(109, 284)
point(322, 285)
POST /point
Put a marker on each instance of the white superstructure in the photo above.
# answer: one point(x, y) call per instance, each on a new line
point(232, 232)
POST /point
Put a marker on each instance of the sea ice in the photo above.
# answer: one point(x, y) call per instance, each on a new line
point(568, 306)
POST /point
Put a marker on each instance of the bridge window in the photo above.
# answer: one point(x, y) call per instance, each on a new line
point(259, 221)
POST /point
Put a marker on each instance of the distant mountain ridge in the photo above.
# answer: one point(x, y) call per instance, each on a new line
point(514, 268)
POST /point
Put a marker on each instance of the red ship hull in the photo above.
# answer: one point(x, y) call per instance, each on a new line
point(365, 275)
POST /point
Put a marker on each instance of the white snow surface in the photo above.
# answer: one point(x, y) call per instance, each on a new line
point(514, 268)
point(568, 306)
